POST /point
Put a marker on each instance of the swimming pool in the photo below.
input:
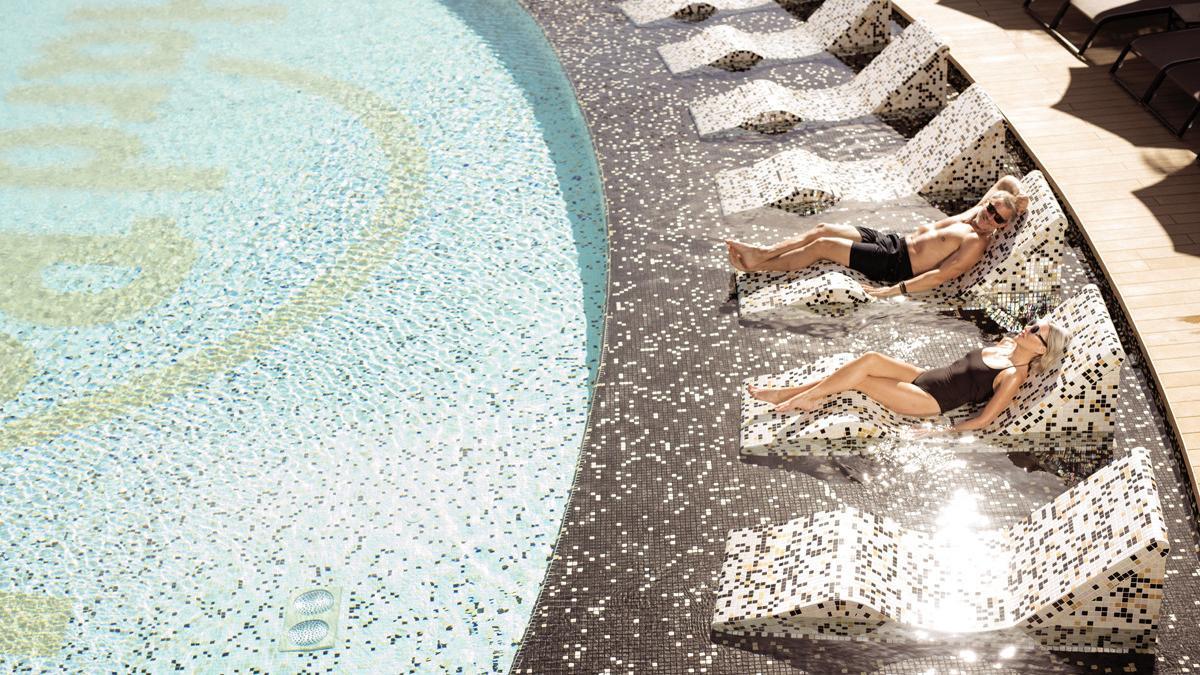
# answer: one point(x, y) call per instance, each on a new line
point(297, 298)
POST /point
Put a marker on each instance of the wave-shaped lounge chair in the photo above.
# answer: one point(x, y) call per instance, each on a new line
point(1084, 572)
point(838, 26)
point(645, 12)
point(1023, 258)
point(909, 74)
point(959, 152)
point(1078, 396)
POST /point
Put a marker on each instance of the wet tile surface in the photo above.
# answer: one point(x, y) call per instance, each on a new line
point(660, 481)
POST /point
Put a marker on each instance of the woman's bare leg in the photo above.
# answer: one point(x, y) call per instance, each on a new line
point(779, 394)
point(905, 398)
point(850, 376)
point(746, 257)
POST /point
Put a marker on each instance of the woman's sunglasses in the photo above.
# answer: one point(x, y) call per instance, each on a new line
point(994, 214)
point(1034, 331)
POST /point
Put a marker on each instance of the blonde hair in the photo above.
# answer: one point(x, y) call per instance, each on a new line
point(1017, 204)
point(1057, 339)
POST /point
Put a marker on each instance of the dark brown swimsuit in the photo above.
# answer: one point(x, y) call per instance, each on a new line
point(967, 380)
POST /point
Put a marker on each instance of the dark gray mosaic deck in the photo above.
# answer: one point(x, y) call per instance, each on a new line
point(660, 481)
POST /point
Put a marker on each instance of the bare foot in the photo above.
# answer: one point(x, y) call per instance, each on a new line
point(744, 256)
point(797, 403)
point(770, 394)
point(735, 258)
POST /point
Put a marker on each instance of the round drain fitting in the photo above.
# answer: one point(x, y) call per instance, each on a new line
point(313, 602)
point(308, 632)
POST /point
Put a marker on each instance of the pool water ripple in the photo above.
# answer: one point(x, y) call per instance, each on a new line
point(372, 373)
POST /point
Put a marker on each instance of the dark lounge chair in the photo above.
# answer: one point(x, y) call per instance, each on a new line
point(1186, 76)
point(1101, 12)
point(1173, 56)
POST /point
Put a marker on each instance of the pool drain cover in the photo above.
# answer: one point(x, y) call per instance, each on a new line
point(310, 620)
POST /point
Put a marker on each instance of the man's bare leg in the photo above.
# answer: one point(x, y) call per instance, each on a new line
point(748, 258)
point(834, 250)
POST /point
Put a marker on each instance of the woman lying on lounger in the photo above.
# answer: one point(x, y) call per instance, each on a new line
point(991, 374)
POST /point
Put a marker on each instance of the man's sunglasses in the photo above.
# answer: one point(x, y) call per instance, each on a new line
point(1033, 330)
point(994, 214)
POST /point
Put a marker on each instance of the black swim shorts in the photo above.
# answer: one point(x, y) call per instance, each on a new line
point(881, 256)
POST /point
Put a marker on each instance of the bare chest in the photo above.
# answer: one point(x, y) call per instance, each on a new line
point(940, 242)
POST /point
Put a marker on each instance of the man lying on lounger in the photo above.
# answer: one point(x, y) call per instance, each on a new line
point(924, 259)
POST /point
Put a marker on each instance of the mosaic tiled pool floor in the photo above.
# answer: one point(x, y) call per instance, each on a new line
point(660, 482)
point(292, 295)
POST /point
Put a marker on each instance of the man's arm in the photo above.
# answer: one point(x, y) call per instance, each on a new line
point(963, 217)
point(952, 267)
point(1008, 184)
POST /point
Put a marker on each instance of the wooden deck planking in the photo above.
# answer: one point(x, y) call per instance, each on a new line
point(1133, 188)
point(1181, 308)
point(1171, 351)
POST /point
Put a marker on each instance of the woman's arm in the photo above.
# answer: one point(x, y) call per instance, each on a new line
point(1010, 382)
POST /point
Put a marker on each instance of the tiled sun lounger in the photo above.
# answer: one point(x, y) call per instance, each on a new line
point(959, 152)
point(1175, 57)
point(909, 74)
point(645, 12)
point(1078, 397)
point(1023, 258)
point(1100, 12)
point(1084, 572)
point(838, 26)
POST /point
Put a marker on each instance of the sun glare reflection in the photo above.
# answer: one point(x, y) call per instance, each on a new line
point(965, 556)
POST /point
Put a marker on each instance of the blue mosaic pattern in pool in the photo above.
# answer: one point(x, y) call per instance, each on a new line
point(291, 298)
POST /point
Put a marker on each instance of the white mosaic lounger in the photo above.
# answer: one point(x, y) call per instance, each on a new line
point(1023, 258)
point(1079, 396)
point(645, 12)
point(838, 26)
point(959, 152)
point(909, 74)
point(1082, 573)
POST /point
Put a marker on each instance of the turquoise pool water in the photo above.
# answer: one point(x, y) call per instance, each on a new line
point(292, 297)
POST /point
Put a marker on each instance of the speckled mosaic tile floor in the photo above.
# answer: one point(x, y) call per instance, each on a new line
point(660, 480)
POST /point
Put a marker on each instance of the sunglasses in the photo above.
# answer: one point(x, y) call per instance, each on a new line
point(1034, 331)
point(994, 214)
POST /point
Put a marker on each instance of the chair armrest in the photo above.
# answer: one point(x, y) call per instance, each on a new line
point(1162, 75)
